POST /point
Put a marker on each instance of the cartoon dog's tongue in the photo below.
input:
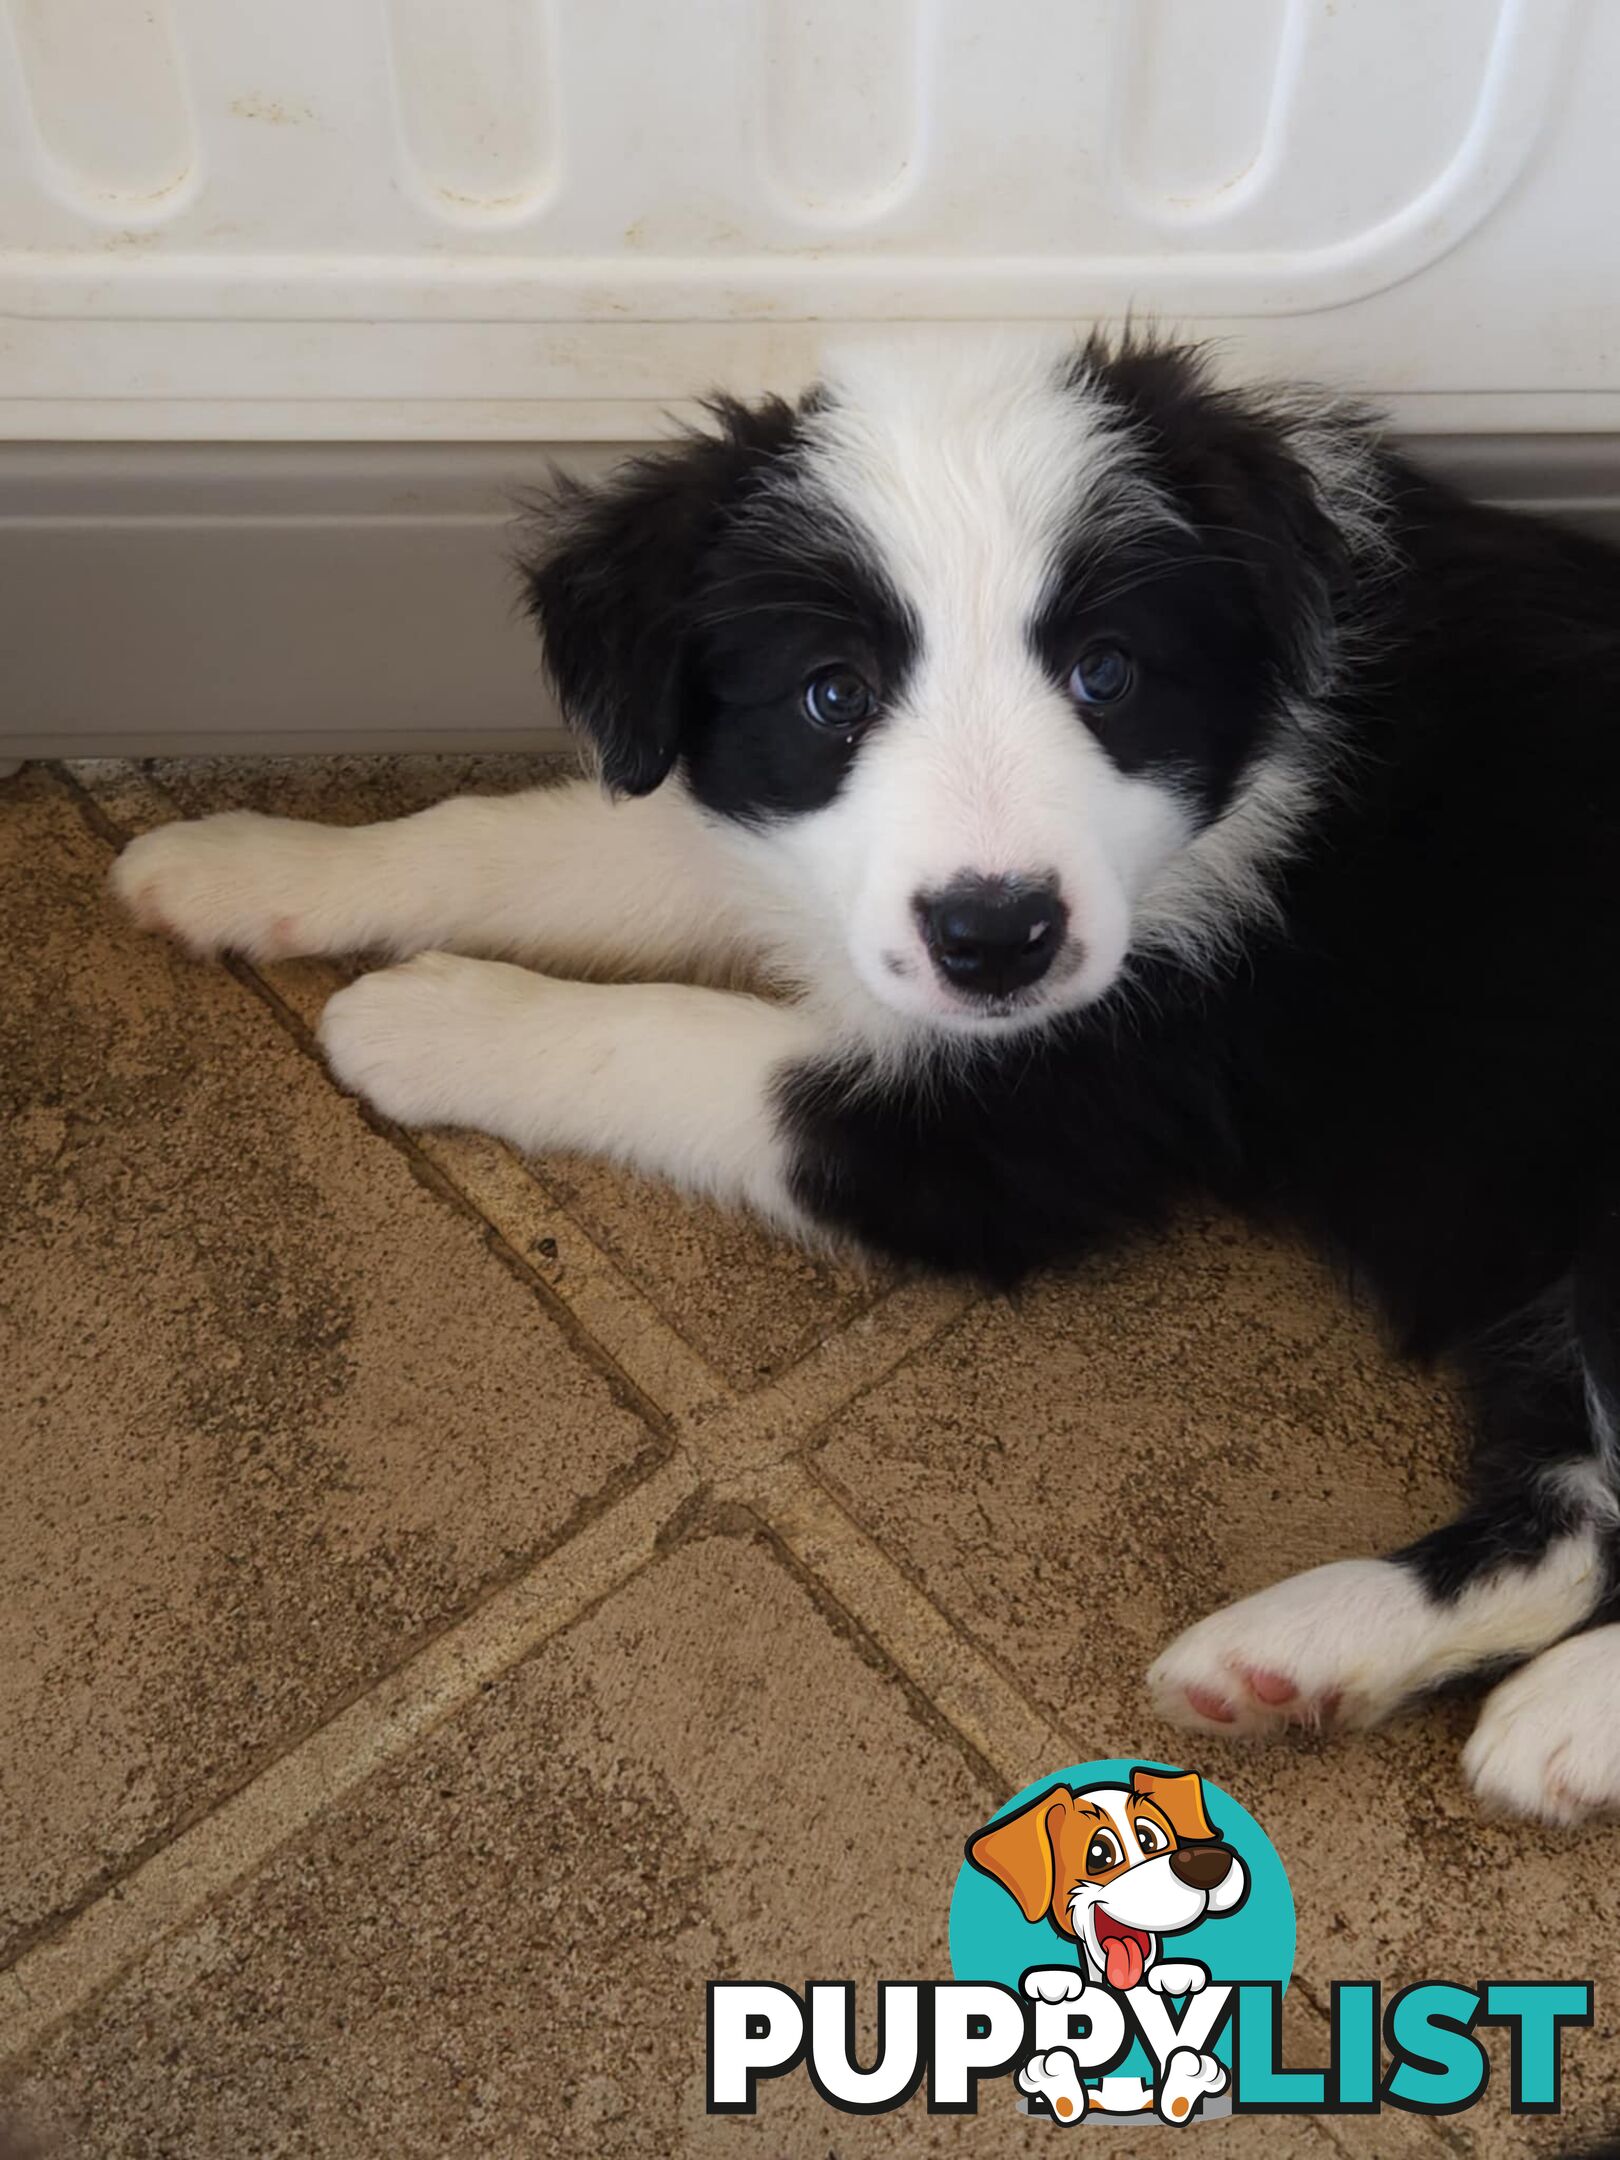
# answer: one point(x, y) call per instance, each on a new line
point(1124, 1950)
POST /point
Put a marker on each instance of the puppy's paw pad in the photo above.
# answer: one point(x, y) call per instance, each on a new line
point(1340, 1645)
point(1276, 1690)
point(1236, 1698)
point(1546, 1744)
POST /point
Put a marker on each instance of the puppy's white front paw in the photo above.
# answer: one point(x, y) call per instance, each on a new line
point(1181, 1976)
point(234, 883)
point(1548, 1739)
point(1342, 1644)
point(429, 1043)
point(1054, 1984)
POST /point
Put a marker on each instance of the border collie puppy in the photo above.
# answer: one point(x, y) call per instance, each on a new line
point(1144, 788)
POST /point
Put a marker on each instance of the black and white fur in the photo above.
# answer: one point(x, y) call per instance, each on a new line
point(1322, 908)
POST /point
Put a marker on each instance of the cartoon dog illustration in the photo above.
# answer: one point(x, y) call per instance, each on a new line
point(1115, 1869)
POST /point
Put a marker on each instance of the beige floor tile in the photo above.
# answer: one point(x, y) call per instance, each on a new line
point(274, 1411)
point(501, 1946)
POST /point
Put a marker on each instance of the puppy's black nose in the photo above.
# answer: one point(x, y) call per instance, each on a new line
point(990, 936)
point(1201, 1867)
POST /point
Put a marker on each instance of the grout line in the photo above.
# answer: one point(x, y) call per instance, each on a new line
point(852, 1629)
point(844, 1503)
point(604, 1318)
point(62, 1975)
point(996, 1721)
point(750, 1432)
point(583, 1276)
point(107, 1881)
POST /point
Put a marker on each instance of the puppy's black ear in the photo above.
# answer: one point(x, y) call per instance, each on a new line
point(1286, 481)
point(609, 573)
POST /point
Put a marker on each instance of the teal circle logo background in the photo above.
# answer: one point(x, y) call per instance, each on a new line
point(991, 1940)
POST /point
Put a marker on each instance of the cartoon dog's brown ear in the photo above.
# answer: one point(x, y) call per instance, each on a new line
point(1179, 1797)
point(1017, 1851)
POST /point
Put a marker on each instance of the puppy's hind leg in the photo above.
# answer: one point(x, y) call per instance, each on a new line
point(1528, 1562)
point(1548, 1739)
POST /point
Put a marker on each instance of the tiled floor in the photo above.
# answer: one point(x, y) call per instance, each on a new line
point(452, 1607)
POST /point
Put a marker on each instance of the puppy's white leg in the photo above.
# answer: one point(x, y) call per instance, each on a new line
point(1349, 1642)
point(668, 1079)
point(560, 873)
point(1548, 1739)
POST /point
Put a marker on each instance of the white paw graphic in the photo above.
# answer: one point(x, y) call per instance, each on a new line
point(1548, 1739)
point(429, 1043)
point(236, 883)
point(1188, 2078)
point(1339, 1645)
point(1177, 1977)
point(1054, 1984)
point(1055, 2078)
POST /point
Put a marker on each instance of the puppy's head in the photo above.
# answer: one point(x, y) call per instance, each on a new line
point(1001, 657)
point(1115, 1867)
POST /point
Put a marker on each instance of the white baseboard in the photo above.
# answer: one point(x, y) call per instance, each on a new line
point(160, 599)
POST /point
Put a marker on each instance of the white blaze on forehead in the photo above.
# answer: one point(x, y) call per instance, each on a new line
point(965, 470)
point(963, 475)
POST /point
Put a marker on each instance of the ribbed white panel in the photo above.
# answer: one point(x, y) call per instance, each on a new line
point(473, 91)
point(546, 216)
point(111, 132)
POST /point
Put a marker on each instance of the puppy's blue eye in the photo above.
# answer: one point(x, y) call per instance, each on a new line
point(839, 697)
point(1102, 676)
